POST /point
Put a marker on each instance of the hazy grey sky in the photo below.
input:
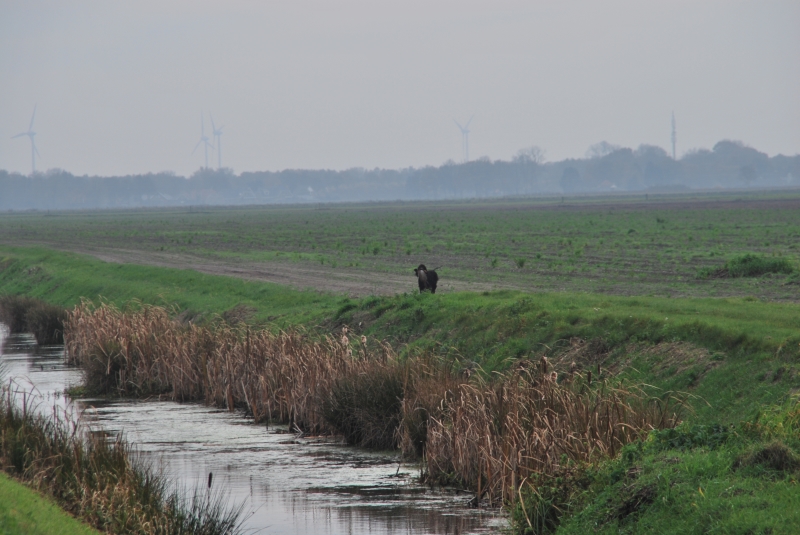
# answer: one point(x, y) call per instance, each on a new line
point(120, 86)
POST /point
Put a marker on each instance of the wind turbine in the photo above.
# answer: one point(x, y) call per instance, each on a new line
point(674, 135)
point(30, 133)
point(203, 140)
point(465, 137)
point(217, 133)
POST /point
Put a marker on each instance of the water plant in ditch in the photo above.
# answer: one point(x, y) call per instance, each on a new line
point(101, 482)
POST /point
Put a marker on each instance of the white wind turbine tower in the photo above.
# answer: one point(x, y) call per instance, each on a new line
point(217, 133)
point(203, 140)
point(30, 133)
point(465, 137)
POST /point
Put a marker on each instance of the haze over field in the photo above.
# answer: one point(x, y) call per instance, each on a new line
point(317, 85)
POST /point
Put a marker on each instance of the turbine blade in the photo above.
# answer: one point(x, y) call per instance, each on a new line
point(33, 117)
point(35, 149)
point(458, 125)
point(19, 135)
point(195, 147)
point(470, 120)
point(212, 122)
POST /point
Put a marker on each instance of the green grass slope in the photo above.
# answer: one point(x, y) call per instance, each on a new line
point(64, 279)
point(749, 355)
point(693, 479)
point(24, 512)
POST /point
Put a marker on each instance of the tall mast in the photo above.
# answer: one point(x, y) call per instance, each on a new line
point(674, 135)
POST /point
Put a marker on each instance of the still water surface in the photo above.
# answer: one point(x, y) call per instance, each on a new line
point(288, 485)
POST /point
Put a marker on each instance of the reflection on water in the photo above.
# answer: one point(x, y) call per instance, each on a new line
point(289, 485)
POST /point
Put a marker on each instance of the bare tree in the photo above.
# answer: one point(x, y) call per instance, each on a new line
point(604, 148)
point(531, 154)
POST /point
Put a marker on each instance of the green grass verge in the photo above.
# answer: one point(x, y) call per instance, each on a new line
point(25, 512)
point(693, 479)
point(64, 278)
point(751, 347)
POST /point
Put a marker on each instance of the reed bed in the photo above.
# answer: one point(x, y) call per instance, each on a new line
point(284, 377)
point(99, 481)
point(493, 435)
point(26, 314)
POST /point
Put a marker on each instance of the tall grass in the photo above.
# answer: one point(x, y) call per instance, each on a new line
point(366, 406)
point(488, 434)
point(494, 435)
point(100, 482)
point(26, 314)
point(282, 377)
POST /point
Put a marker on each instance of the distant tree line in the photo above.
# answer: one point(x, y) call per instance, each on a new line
point(606, 168)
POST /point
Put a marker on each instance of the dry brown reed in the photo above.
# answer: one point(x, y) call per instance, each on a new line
point(275, 376)
point(491, 435)
point(26, 314)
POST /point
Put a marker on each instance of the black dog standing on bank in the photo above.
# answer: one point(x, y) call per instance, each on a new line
point(426, 279)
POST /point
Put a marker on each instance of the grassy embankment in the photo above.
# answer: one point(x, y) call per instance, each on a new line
point(736, 355)
point(24, 512)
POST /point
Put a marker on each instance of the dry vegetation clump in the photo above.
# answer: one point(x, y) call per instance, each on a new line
point(285, 377)
point(488, 434)
point(98, 481)
point(431, 386)
point(493, 436)
point(365, 405)
point(12, 311)
point(26, 314)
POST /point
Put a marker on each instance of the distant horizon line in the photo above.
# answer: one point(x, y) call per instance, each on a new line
point(448, 162)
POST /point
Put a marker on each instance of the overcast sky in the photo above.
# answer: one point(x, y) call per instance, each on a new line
point(121, 86)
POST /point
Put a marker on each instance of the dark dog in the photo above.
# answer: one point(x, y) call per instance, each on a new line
point(427, 279)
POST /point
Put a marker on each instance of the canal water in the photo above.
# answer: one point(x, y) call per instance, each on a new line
point(288, 485)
